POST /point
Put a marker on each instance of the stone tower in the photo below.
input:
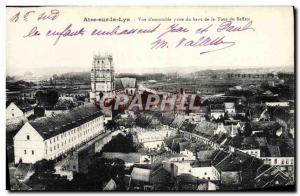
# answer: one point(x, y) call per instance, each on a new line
point(102, 77)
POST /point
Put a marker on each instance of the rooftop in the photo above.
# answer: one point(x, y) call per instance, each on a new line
point(48, 127)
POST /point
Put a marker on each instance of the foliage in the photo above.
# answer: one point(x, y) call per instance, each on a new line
point(48, 97)
point(99, 173)
point(120, 143)
point(44, 166)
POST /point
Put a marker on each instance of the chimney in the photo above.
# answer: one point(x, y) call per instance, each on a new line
point(172, 172)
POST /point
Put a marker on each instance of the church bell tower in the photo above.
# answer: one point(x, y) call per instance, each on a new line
point(102, 77)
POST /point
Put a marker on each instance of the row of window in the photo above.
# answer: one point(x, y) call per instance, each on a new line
point(32, 152)
point(276, 161)
point(74, 138)
point(93, 125)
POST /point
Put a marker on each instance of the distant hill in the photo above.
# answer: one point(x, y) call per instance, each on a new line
point(85, 75)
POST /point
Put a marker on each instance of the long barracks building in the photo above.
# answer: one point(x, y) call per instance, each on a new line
point(51, 137)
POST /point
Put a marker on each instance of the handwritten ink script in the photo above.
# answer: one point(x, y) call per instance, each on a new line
point(212, 36)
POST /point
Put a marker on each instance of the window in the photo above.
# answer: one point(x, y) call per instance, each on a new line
point(28, 137)
point(50, 149)
point(50, 141)
point(282, 161)
point(205, 173)
point(275, 161)
point(25, 152)
point(32, 152)
point(287, 161)
point(12, 114)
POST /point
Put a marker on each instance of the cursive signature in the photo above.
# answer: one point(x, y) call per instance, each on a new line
point(206, 41)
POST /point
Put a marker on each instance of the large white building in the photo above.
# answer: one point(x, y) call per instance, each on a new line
point(51, 137)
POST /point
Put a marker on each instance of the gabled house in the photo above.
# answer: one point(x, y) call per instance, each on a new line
point(216, 110)
point(140, 179)
point(236, 169)
point(270, 176)
point(16, 111)
point(229, 108)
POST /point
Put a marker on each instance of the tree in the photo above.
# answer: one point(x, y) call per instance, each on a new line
point(101, 171)
point(40, 96)
point(52, 97)
point(247, 130)
point(44, 166)
point(120, 143)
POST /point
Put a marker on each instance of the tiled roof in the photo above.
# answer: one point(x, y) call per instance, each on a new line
point(239, 161)
point(262, 141)
point(178, 120)
point(274, 151)
point(110, 186)
point(167, 118)
point(140, 174)
point(23, 105)
point(122, 83)
point(118, 84)
point(250, 143)
point(186, 126)
point(280, 113)
point(220, 155)
point(205, 128)
point(272, 176)
point(217, 107)
point(266, 126)
point(197, 163)
point(160, 176)
point(236, 141)
point(183, 145)
point(128, 82)
point(126, 157)
point(48, 127)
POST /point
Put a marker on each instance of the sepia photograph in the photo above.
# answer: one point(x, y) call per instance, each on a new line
point(150, 98)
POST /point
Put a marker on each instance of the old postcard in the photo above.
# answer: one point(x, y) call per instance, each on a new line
point(150, 98)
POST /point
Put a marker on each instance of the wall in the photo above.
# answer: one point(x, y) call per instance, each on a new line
point(12, 111)
point(203, 173)
point(73, 138)
point(33, 144)
point(230, 178)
